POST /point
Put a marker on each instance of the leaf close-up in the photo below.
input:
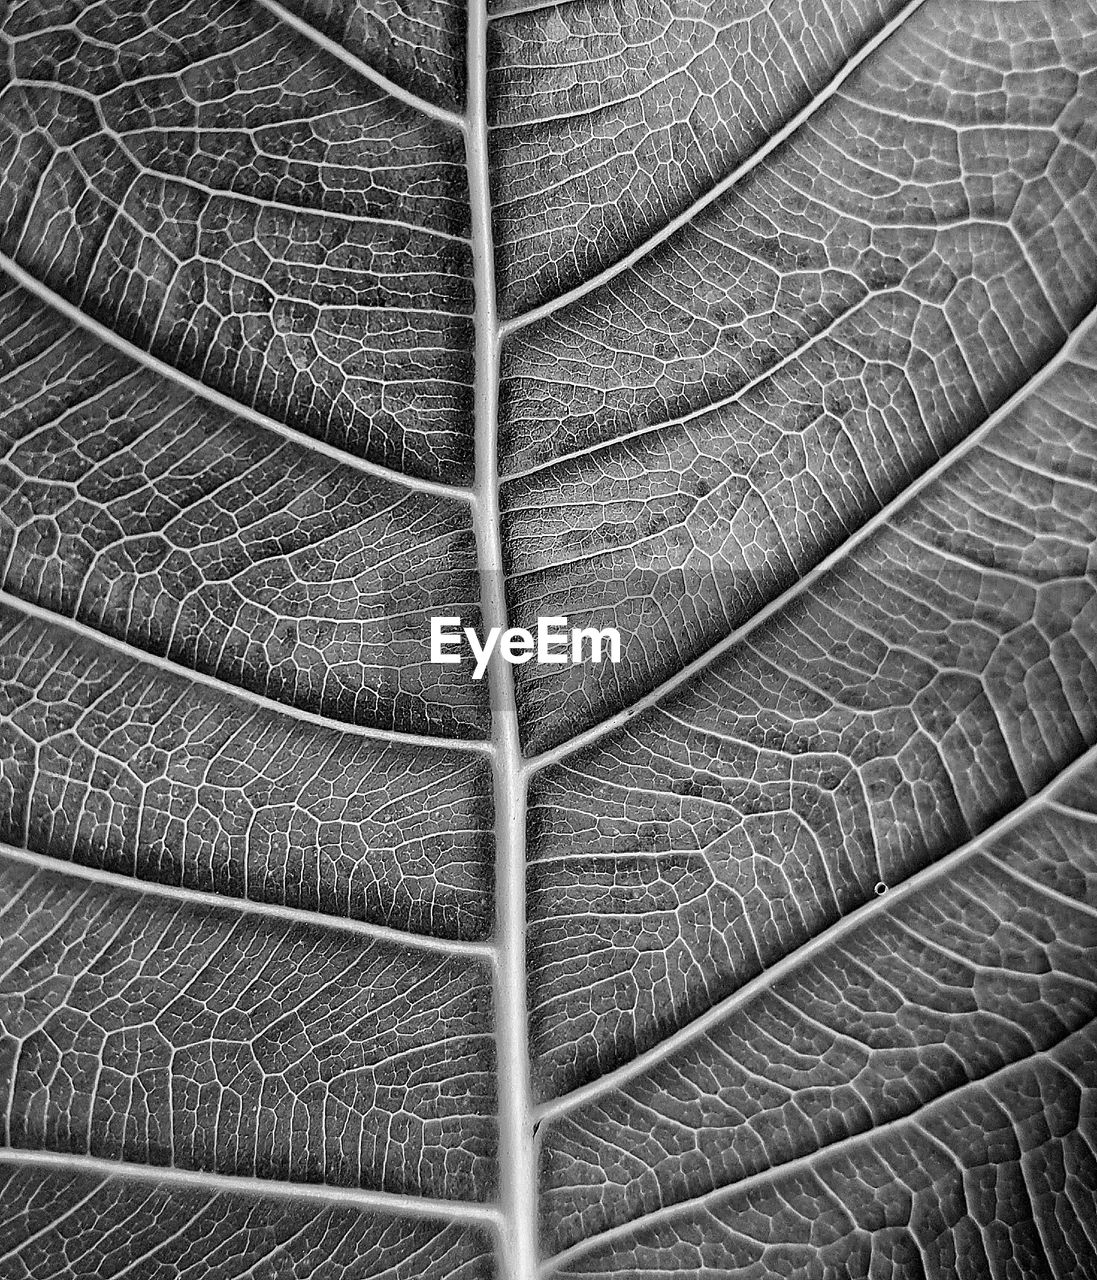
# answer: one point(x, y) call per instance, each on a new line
point(761, 333)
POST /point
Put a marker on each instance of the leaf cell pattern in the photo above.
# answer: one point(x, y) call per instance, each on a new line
point(765, 332)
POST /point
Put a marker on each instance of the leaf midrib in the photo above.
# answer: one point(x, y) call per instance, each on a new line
point(516, 1162)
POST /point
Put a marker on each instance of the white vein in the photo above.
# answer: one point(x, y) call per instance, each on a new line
point(721, 188)
point(211, 395)
point(877, 522)
point(805, 1163)
point(224, 688)
point(219, 1184)
point(375, 77)
point(876, 906)
point(119, 882)
point(518, 1170)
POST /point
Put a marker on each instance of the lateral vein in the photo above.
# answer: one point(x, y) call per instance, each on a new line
point(533, 7)
point(177, 670)
point(722, 187)
point(362, 68)
point(804, 1162)
point(324, 1195)
point(194, 386)
point(871, 526)
point(803, 345)
point(116, 880)
point(719, 1012)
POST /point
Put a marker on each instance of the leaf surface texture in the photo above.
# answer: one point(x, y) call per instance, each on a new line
point(766, 333)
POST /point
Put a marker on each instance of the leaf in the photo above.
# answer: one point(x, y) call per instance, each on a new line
point(766, 335)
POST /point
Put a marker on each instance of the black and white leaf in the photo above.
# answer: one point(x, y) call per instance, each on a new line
point(766, 333)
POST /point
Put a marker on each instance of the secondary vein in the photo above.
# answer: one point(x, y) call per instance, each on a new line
point(876, 906)
point(178, 670)
point(211, 395)
point(723, 186)
point(375, 77)
point(117, 881)
point(710, 1199)
point(871, 526)
point(325, 1195)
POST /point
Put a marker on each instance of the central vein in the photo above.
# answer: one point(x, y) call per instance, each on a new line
point(517, 1173)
